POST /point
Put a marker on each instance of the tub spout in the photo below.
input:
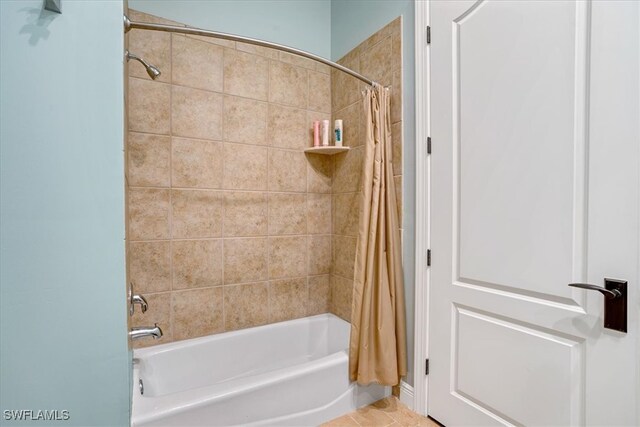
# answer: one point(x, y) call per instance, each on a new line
point(145, 331)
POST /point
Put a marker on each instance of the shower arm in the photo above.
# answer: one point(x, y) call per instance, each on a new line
point(129, 25)
point(131, 56)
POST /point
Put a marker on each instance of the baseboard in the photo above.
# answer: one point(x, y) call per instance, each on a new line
point(406, 394)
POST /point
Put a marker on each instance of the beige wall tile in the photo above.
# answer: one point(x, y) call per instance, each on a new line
point(319, 294)
point(297, 60)
point(196, 163)
point(245, 260)
point(245, 120)
point(395, 31)
point(353, 57)
point(322, 68)
point(341, 297)
point(353, 124)
point(319, 173)
point(220, 42)
point(148, 160)
point(348, 170)
point(395, 26)
point(346, 209)
point(287, 170)
point(245, 214)
point(246, 305)
point(287, 213)
point(155, 48)
point(287, 299)
point(319, 254)
point(257, 50)
point(245, 167)
point(319, 91)
point(287, 256)
point(159, 312)
point(150, 266)
point(344, 255)
point(196, 63)
point(396, 97)
point(148, 213)
point(398, 184)
point(288, 127)
point(319, 213)
point(197, 313)
point(149, 106)
point(375, 62)
point(196, 113)
point(396, 144)
point(196, 213)
point(396, 51)
point(197, 263)
point(288, 85)
point(345, 89)
point(246, 74)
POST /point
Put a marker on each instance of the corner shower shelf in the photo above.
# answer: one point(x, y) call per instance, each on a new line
point(330, 150)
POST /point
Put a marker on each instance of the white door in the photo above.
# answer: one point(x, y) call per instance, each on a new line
point(535, 126)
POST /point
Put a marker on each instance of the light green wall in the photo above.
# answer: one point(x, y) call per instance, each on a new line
point(62, 313)
point(352, 22)
point(63, 342)
point(305, 24)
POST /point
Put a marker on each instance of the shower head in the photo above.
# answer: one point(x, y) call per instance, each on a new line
point(152, 70)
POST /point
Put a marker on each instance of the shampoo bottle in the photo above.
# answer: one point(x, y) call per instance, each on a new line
point(325, 133)
point(339, 135)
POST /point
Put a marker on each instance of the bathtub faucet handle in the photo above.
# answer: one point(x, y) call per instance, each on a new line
point(139, 299)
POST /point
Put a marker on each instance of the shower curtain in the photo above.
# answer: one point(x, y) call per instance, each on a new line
point(377, 351)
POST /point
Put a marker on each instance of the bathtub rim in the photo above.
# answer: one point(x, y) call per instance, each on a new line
point(143, 352)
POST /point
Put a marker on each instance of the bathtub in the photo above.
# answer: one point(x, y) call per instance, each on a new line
point(293, 373)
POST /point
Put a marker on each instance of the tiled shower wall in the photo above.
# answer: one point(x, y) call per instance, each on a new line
point(378, 58)
point(229, 221)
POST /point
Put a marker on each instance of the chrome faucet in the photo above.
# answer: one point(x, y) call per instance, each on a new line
point(139, 299)
point(135, 299)
point(145, 331)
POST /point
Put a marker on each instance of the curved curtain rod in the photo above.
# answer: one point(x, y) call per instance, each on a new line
point(129, 25)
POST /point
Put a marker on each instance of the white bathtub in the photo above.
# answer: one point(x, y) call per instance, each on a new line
point(292, 373)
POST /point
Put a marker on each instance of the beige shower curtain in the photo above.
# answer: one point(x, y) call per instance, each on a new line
point(377, 351)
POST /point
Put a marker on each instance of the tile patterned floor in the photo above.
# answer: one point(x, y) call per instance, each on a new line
point(386, 412)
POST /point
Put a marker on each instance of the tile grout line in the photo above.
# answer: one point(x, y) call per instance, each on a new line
point(268, 193)
point(223, 132)
point(171, 245)
point(306, 200)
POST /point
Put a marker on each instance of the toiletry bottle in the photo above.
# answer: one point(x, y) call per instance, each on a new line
point(325, 133)
point(339, 135)
point(316, 133)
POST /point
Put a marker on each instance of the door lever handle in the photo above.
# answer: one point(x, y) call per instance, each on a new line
point(609, 293)
point(615, 302)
